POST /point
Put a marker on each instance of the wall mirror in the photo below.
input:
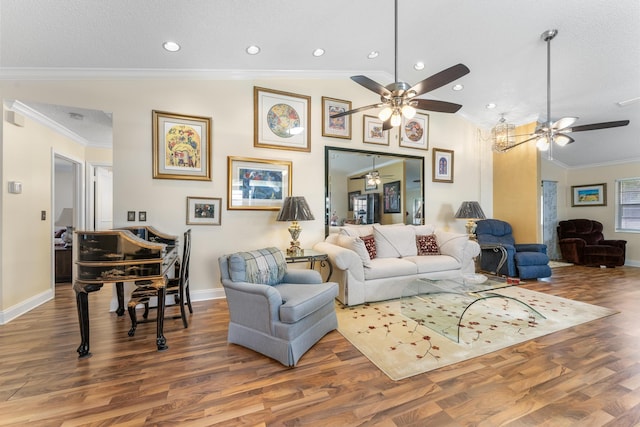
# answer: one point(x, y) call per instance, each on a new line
point(364, 187)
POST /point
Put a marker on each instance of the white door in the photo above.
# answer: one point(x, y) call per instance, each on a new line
point(103, 198)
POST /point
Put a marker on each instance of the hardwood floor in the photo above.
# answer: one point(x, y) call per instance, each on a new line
point(588, 375)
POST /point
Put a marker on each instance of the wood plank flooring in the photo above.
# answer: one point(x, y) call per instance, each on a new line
point(588, 375)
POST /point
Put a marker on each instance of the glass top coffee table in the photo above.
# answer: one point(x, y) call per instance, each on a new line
point(420, 301)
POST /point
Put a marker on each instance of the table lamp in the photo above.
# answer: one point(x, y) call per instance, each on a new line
point(471, 211)
point(66, 220)
point(295, 209)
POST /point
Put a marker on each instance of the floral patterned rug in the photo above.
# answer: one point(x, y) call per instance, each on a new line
point(400, 336)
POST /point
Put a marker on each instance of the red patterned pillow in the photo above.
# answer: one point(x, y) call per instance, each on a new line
point(370, 244)
point(427, 245)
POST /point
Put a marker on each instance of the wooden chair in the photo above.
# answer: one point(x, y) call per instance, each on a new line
point(178, 287)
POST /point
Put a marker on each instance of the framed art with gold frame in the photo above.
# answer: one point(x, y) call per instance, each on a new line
point(181, 146)
point(372, 132)
point(204, 210)
point(442, 165)
point(281, 120)
point(339, 127)
point(257, 184)
point(414, 133)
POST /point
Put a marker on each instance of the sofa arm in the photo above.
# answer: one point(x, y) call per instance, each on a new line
point(302, 277)
point(255, 306)
point(622, 244)
point(342, 258)
point(531, 247)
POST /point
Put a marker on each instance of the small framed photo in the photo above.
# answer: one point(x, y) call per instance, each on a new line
point(370, 187)
point(589, 195)
point(352, 194)
point(142, 216)
point(442, 165)
point(391, 197)
point(131, 215)
point(414, 133)
point(339, 127)
point(181, 146)
point(257, 184)
point(372, 132)
point(281, 120)
point(204, 210)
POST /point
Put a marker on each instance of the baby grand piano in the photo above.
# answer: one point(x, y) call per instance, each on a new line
point(141, 255)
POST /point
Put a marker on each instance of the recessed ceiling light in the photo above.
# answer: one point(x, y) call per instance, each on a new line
point(490, 106)
point(418, 66)
point(171, 46)
point(253, 50)
point(373, 54)
point(457, 87)
point(318, 52)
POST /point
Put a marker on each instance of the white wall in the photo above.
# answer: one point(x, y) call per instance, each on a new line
point(230, 104)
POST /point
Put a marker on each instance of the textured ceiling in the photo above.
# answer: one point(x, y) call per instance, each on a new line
point(595, 57)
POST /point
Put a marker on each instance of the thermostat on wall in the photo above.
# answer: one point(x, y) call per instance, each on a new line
point(15, 187)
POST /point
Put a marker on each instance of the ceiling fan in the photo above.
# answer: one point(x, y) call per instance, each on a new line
point(373, 176)
point(399, 99)
point(547, 133)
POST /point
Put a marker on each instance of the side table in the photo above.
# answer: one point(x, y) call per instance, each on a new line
point(311, 257)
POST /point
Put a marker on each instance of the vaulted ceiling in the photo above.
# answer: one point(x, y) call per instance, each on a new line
point(595, 59)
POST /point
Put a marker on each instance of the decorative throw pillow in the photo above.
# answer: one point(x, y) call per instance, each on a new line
point(427, 245)
point(395, 241)
point(266, 266)
point(370, 244)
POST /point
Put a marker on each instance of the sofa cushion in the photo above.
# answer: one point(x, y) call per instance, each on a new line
point(370, 244)
point(266, 266)
point(355, 244)
point(357, 230)
point(432, 264)
point(394, 241)
point(299, 301)
point(427, 245)
point(423, 230)
point(389, 267)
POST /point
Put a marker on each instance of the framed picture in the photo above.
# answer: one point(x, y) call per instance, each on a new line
point(131, 215)
point(589, 195)
point(257, 184)
point(204, 210)
point(352, 194)
point(181, 146)
point(372, 132)
point(339, 127)
point(391, 197)
point(369, 187)
point(442, 165)
point(142, 216)
point(281, 120)
point(414, 133)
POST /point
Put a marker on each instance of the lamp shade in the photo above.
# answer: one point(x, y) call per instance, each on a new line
point(470, 210)
point(66, 218)
point(295, 209)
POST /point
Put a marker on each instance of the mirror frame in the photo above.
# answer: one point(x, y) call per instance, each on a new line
point(327, 154)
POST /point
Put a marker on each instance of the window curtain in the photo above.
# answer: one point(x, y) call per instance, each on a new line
point(550, 218)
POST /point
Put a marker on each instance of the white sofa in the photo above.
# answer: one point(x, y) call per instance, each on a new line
point(396, 260)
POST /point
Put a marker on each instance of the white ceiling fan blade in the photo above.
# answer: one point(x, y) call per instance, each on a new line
point(562, 139)
point(564, 122)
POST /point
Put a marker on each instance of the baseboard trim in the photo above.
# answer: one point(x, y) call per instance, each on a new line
point(25, 306)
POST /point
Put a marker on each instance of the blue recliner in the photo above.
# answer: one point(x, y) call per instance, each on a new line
point(502, 256)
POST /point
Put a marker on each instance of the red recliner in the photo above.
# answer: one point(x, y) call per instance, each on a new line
point(581, 242)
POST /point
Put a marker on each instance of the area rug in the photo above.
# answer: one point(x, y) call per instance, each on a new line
point(556, 264)
point(401, 347)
